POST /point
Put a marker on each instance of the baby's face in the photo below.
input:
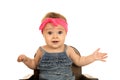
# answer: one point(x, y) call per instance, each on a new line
point(54, 35)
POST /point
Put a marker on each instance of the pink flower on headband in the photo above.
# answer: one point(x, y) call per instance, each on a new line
point(55, 22)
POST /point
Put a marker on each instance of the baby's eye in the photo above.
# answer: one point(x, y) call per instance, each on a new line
point(49, 32)
point(60, 32)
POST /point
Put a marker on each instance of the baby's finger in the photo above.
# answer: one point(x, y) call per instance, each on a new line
point(97, 50)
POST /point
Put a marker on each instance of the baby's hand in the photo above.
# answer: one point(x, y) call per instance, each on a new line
point(21, 58)
point(99, 55)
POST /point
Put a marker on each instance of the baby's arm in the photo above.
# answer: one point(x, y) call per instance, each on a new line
point(85, 60)
point(96, 55)
point(27, 61)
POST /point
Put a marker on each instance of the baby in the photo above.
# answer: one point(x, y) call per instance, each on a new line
point(54, 60)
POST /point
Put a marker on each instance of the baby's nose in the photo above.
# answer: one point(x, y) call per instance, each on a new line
point(55, 35)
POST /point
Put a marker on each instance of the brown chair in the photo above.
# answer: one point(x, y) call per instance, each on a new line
point(76, 70)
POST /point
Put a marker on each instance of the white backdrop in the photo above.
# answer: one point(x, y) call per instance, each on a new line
point(92, 24)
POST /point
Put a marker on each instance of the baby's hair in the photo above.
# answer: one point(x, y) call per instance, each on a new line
point(54, 15)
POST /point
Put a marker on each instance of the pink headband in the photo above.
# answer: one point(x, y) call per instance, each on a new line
point(55, 22)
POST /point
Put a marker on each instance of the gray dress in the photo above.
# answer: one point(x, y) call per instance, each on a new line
point(55, 66)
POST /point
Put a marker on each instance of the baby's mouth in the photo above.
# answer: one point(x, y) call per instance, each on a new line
point(55, 41)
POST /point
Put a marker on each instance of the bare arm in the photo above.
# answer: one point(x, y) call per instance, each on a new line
point(29, 62)
point(85, 60)
point(96, 55)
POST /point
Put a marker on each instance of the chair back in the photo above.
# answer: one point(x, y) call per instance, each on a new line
point(76, 69)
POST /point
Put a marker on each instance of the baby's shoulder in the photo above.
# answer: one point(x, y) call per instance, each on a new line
point(70, 48)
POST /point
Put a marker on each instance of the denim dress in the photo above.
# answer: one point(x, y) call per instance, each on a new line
point(55, 66)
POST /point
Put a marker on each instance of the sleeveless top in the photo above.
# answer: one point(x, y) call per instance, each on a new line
point(55, 66)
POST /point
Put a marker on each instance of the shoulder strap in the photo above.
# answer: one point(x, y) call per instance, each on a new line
point(65, 48)
point(43, 51)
